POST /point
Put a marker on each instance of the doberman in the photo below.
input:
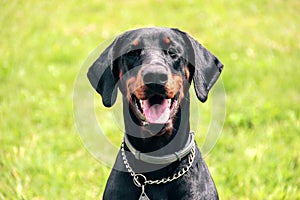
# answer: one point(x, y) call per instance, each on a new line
point(154, 68)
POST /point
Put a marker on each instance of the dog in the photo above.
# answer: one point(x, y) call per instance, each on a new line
point(153, 69)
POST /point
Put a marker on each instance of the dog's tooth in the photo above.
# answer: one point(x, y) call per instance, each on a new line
point(169, 102)
point(145, 123)
point(176, 102)
point(142, 103)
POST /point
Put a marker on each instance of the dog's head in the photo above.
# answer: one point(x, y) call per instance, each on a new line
point(153, 68)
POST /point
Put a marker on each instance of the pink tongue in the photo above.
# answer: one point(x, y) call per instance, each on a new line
point(157, 113)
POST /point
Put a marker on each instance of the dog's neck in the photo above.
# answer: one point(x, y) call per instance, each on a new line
point(176, 134)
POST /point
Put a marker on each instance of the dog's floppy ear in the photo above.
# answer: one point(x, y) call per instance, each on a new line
point(207, 67)
point(101, 76)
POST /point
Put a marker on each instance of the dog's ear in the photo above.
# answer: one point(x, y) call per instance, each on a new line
point(101, 75)
point(207, 67)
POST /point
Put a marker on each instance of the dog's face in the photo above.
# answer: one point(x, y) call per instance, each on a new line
point(153, 71)
point(154, 68)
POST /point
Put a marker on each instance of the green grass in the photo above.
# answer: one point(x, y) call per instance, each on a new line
point(43, 45)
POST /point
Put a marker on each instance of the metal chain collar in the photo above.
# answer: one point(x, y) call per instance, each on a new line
point(135, 176)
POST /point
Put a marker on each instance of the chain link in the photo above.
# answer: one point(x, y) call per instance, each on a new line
point(179, 174)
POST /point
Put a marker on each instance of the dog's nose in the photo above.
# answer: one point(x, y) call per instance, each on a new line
point(155, 75)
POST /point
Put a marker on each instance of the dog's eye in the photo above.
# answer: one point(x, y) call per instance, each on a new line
point(172, 53)
point(134, 53)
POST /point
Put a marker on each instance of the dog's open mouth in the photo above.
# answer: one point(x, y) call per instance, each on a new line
point(156, 109)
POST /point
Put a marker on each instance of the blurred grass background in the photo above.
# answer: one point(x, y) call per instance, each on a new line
point(44, 43)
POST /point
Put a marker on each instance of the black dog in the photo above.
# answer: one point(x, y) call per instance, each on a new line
point(153, 68)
